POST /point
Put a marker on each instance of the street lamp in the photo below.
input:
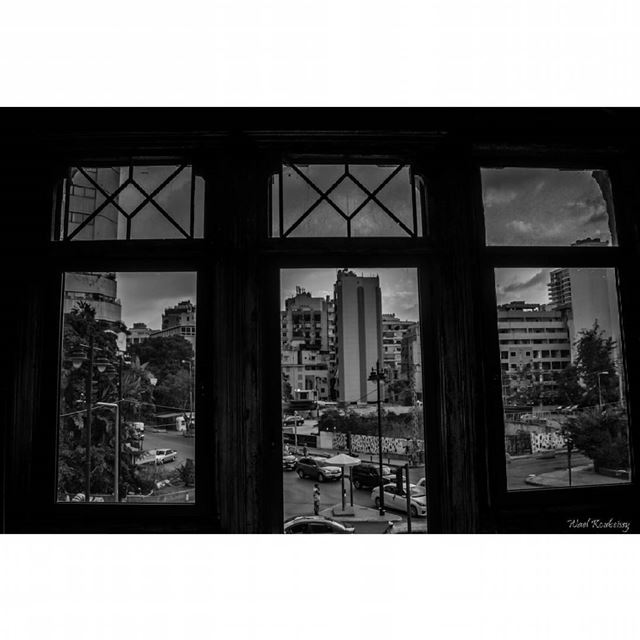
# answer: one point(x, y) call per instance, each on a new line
point(600, 373)
point(377, 376)
point(116, 446)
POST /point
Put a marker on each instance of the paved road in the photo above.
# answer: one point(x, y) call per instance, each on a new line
point(298, 495)
point(171, 440)
point(520, 468)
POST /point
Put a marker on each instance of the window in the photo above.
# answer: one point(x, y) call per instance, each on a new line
point(579, 401)
point(124, 404)
point(334, 200)
point(130, 202)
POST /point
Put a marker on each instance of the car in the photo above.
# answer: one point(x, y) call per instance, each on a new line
point(165, 455)
point(394, 499)
point(421, 486)
point(293, 420)
point(317, 468)
point(315, 524)
point(366, 475)
point(289, 462)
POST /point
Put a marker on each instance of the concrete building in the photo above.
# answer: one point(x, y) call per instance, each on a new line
point(97, 289)
point(84, 198)
point(411, 359)
point(139, 333)
point(534, 339)
point(358, 334)
point(586, 295)
point(179, 321)
point(393, 331)
point(308, 344)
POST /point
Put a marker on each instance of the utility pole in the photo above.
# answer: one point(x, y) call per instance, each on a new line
point(88, 399)
point(378, 375)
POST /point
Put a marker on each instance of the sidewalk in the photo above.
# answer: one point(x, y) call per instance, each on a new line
point(580, 477)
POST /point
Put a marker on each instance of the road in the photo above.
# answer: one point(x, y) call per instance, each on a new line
point(298, 495)
point(186, 447)
point(520, 468)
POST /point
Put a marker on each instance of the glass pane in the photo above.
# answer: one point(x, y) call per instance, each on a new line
point(563, 384)
point(340, 330)
point(117, 203)
point(318, 199)
point(548, 207)
point(127, 383)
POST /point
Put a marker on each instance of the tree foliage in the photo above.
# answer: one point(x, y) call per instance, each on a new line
point(164, 356)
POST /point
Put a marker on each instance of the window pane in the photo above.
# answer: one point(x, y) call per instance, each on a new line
point(336, 327)
point(337, 200)
point(562, 378)
point(127, 383)
point(548, 207)
point(134, 202)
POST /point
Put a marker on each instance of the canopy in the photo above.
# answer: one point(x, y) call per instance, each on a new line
point(343, 460)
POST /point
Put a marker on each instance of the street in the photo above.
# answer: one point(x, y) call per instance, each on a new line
point(298, 496)
point(519, 468)
point(171, 440)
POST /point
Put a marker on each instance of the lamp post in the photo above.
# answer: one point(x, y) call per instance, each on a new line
point(116, 446)
point(190, 363)
point(600, 373)
point(376, 376)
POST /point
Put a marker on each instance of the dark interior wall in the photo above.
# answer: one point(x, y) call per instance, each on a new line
point(238, 276)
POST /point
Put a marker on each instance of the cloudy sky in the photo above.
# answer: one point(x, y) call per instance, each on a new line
point(545, 207)
point(144, 296)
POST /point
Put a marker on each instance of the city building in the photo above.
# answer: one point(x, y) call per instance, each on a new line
point(179, 321)
point(139, 333)
point(411, 359)
point(393, 331)
point(84, 198)
point(534, 343)
point(308, 344)
point(95, 288)
point(358, 335)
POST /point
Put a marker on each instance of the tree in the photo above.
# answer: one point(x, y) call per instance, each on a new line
point(80, 328)
point(595, 367)
point(602, 436)
point(173, 392)
point(164, 356)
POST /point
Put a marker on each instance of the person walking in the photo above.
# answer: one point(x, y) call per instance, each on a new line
point(316, 499)
point(304, 452)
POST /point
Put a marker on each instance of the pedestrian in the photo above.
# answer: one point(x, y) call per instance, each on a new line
point(304, 452)
point(286, 449)
point(316, 499)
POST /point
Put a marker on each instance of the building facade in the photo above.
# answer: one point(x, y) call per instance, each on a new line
point(98, 290)
point(359, 335)
point(179, 321)
point(534, 345)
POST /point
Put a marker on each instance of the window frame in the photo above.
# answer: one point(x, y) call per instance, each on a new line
point(515, 507)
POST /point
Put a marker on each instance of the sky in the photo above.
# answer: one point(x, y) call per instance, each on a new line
point(543, 207)
point(144, 296)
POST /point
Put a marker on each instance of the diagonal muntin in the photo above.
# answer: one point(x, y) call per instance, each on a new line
point(323, 196)
point(109, 199)
point(372, 197)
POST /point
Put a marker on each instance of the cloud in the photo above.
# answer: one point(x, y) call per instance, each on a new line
point(520, 226)
point(534, 280)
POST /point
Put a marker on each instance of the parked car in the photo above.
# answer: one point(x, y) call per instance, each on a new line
point(394, 499)
point(317, 468)
point(165, 455)
point(421, 486)
point(315, 524)
point(293, 420)
point(289, 462)
point(366, 475)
